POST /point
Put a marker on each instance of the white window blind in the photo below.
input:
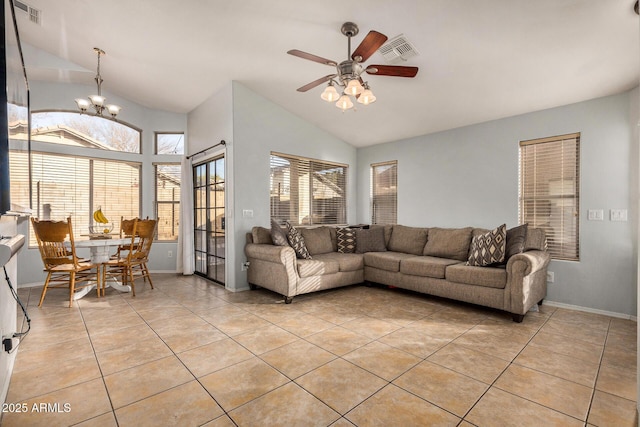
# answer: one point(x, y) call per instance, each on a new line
point(550, 191)
point(168, 200)
point(307, 191)
point(384, 193)
point(75, 186)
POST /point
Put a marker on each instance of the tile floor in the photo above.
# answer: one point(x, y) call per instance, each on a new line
point(191, 353)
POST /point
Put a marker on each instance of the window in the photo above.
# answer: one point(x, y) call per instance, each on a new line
point(384, 193)
point(169, 143)
point(307, 191)
point(64, 183)
point(167, 200)
point(75, 186)
point(549, 191)
point(84, 131)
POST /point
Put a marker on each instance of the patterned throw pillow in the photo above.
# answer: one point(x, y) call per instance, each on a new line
point(278, 236)
point(297, 242)
point(488, 248)
point(346, 240)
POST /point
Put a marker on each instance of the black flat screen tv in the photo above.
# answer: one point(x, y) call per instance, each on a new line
point(14, 96)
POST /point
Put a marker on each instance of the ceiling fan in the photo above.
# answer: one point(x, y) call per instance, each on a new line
point(348, 73)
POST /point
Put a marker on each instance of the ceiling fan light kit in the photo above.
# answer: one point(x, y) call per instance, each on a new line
point(349, 72)
point(97, 101)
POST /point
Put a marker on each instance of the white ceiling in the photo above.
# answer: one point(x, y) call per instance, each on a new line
point(479, 59)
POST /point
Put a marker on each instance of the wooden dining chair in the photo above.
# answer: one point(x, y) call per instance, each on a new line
point(126, 230)
point(133, 266)
point(63, 267)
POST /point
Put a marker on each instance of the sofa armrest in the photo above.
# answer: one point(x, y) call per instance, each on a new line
point(272, 267)
point(529, 262)
point(526, 280)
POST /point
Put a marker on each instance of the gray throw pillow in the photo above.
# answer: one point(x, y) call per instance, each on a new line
point(489, 248)
point(278, 235)
point(370, 240)
point(297, 242)
point(516, 237)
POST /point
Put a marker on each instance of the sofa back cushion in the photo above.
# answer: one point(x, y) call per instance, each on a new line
point(261, 236)
point(370, 240)
point(409, 240)
point(317, 240)
point(450, 243)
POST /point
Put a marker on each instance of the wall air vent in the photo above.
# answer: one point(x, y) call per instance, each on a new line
point(35, 15)
point(398, 49)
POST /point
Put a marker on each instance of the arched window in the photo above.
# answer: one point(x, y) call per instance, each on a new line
point(69, 177)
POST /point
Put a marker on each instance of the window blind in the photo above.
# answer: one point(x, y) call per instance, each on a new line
point(168, 200)
point(307, 191)
point(549, 195)
point(75, 186)
point(384, 193)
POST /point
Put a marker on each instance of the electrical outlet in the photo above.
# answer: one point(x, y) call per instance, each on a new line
point(550, 277)
point(595, 215)
point(244, 266)
point(169, 254)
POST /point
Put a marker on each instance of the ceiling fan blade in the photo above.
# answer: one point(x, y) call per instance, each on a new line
point(392, 70)
point(369, 45)
point(316, 82)
point(311, 57)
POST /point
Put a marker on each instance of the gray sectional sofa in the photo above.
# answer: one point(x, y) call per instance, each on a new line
point(427, 260)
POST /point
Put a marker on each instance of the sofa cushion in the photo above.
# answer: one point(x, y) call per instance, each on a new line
point(346, 240)
point(516, 238)
point(388, 229)
point(448, 243)
point(261, 236)
point(488, 248)
point(297, 242)
point(489, 277)
point(389, 261)
point(370, 240)
point(426, 266)
point(314, 267)
point(346, 262)
point(278, 234)
point(410, 240)
point(317, 240)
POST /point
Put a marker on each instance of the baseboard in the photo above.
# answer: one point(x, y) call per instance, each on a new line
point(590, 310)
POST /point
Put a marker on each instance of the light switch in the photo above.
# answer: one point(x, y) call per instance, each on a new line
point(618, 215)
point(247, 213)
point(595, 215)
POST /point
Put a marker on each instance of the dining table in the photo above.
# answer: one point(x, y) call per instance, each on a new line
point(100, 252)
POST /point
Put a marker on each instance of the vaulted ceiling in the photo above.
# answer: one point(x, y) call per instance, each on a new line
point(479, 59)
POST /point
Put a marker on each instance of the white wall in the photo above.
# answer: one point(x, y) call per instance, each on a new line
point(60, 96)
point(469, 176)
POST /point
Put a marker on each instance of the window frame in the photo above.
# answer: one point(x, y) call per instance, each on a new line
point(155, 143)
point(308, 202)
point(372, 193)
point(560, 211)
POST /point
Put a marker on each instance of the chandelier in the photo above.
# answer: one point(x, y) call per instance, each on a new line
point(97, 101)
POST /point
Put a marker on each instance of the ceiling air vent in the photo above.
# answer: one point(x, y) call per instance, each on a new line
point(33, 13)
point(398, 49)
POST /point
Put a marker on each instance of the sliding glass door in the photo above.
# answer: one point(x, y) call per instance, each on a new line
point(209, 219)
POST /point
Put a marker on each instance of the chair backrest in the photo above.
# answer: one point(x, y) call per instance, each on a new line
point(126, 227)
point(145, 230)
point(51, 236)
